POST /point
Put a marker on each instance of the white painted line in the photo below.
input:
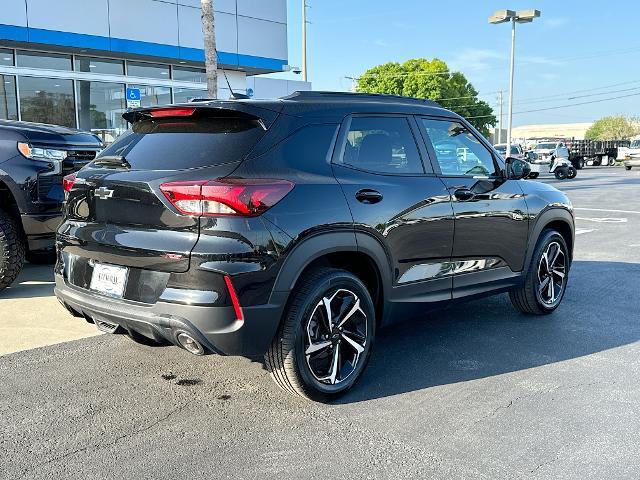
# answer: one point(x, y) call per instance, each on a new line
point(605, 210)
point(603, 220)
point(580, 231)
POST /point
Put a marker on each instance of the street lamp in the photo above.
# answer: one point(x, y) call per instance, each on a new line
point(502, 16)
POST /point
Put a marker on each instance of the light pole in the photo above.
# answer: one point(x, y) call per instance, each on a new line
point(502, 16)
point(304, 40)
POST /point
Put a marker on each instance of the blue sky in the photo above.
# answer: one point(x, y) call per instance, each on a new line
point(577, 51)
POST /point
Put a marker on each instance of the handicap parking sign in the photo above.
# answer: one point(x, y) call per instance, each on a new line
point(133, 97)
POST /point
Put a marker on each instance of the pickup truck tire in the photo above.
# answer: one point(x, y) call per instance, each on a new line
point(11, 250)
point(627, 168)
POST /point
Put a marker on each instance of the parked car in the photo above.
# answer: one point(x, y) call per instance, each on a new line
point(516, 151)
point(33, 160)
point(296, 228)
point(631, 160)
point(547, 151)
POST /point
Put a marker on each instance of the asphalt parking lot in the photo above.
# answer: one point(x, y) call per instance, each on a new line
point(475, 391)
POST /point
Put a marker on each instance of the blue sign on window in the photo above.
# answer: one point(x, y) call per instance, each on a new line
point(133, 94)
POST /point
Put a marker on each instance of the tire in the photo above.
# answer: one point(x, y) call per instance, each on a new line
point(627, 168)
point(561, 173)
point(612, 161)
point(534, 175)
point(579, 164)
point(532, 297)
point(571, 172)
point(314, 376)
point(11, 250)
point(46, 257)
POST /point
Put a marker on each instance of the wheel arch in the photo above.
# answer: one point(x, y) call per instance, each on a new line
point(9, 203)
point(559, 219)
point(359, 254)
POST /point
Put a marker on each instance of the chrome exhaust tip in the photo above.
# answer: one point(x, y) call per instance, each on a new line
point(189, 343)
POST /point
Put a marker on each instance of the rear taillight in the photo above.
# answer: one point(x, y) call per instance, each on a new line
point(172, 112)
point(230, 196)
point(68, 181)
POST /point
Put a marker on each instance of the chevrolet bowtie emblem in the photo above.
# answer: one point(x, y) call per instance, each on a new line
point(103, 193)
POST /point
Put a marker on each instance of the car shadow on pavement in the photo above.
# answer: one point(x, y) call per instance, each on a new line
point(34, 281)
point(489, 337)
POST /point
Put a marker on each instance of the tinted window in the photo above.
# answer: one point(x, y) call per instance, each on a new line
point(172, 144)
point(100, 65)
point(149, 70)
point(457, 150)
point(185, 74)
point(47, 100)
point(6, 57)
point(8, 103)
point(50, 61)
point(382, 144)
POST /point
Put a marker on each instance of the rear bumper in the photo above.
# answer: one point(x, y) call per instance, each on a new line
point(215, 327)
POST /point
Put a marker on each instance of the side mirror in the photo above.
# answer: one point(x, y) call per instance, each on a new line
point(517, 169)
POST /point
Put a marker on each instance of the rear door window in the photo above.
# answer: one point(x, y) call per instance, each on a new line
point(182, 143)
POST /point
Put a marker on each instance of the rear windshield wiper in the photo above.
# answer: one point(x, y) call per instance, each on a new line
point(113, 161)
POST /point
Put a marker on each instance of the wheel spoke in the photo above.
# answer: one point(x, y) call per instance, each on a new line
point(551, 292)
point(354, 309)
point(316, 347)
point(333, 373)
point(555, 257)
point(543, 284)
point(546, 260)
point(558, 272)
point(359, 348)
point(327, 307)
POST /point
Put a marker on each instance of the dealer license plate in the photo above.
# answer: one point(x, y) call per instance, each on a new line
point(109, 280)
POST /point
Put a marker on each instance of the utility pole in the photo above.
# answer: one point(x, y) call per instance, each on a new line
point(210, 52)
point(500, 103)
point(304, 40)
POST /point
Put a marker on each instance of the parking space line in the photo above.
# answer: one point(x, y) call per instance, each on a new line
point(606, 210)
point(580, 231)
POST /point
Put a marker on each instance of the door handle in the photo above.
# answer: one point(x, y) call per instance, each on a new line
point(463, 194)
point(367, 195)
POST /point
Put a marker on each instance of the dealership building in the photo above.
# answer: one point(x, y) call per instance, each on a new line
point(72, 62)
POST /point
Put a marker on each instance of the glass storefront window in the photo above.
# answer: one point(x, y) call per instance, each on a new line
point(99, 65)
point(49, 61)
point(183, 95)
point(47, 100)
point(100, 108)
point(147, 70)
point(150, 96)
point(186, 74)
point(8, 103)
point(6, 57)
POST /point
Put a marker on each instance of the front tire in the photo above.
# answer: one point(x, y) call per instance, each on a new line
point(326, 335)
point(627, 168)
point(547, 275)
point(11, 250)
point(534, 175)
point(571, 173)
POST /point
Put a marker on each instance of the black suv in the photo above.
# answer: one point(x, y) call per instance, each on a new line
point(296, 228)
point(33, 160)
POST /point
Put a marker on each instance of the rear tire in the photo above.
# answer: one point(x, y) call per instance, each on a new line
point(561, 173)
point(536, 296)
point(326, 335)
point(11, 250)
point(627, 168)
point(571, 173)
point(612, 161)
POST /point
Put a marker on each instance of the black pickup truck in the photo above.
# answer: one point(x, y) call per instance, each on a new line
point(34, 158)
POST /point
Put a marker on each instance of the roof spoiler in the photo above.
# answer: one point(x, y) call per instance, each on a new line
point(203, 109)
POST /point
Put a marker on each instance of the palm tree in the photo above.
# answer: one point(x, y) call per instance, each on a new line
point(210, 53)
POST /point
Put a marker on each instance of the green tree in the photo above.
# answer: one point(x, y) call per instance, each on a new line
point(612, 128)
point(422, 78)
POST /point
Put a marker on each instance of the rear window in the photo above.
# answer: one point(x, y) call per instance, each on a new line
point(176, 143)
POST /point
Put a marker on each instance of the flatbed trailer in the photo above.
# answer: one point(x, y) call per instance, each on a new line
point(594, 152)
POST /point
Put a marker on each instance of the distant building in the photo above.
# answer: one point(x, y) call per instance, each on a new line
point(552, 130)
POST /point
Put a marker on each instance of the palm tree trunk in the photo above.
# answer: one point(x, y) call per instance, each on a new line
point(210, 53)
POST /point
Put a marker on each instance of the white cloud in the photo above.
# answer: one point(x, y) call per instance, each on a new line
point(474, 60)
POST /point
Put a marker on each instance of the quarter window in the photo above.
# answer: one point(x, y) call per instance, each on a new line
point(382, 144)
point(457, 150)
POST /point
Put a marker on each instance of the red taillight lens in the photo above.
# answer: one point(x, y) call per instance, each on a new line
point(231, 196)
point(68, 181)
point(172, 112)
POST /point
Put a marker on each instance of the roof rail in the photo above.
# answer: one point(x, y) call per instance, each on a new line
point(350, 96)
